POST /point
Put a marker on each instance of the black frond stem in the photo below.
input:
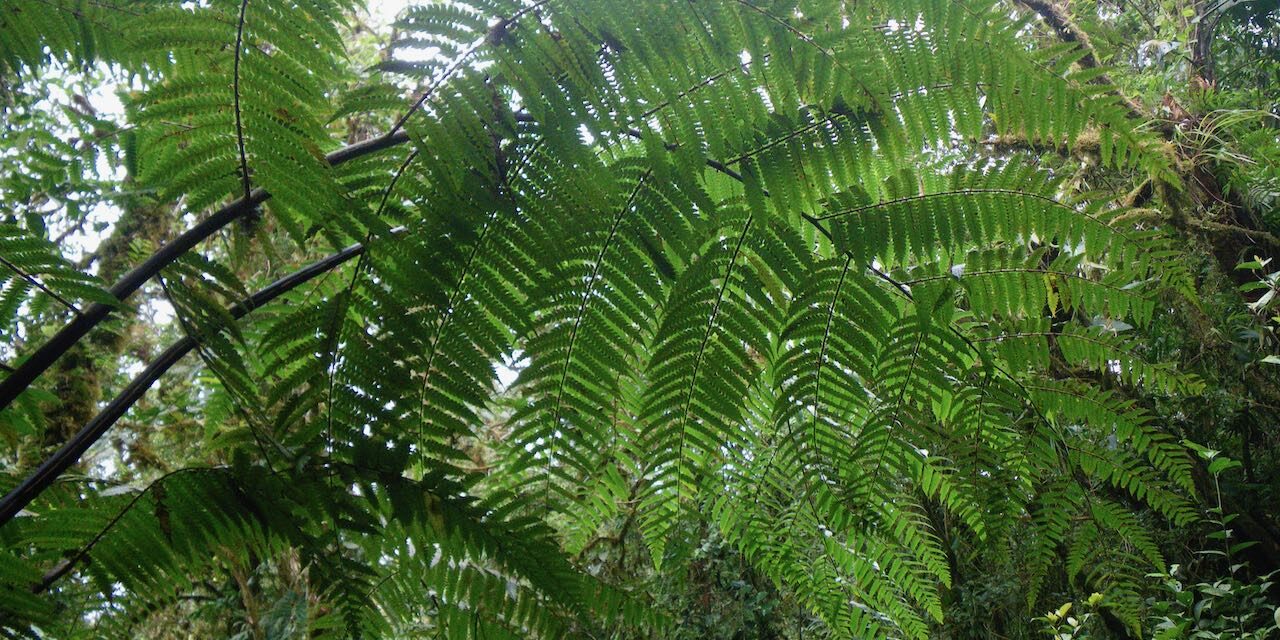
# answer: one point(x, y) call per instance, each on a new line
point(1026, 394)
point(335, 343)
point(65, 566)
point(209, 360)
point(822, 352)
point(319, 287)
point(69, 453)
point(1062, 448)
point(904, 291)
point(706, 339)
point(93, 315)
point(708, 81)
point(940, 194)
point(960, 192)
point(582, 310)
point(340, 309)
point(454, 297)
point(35, 282)
point(235, 91)
point(808, 40)
point(438, 334)
point(897, 403)
point(806, 479)
point(1125, 349)
point(457, 64)
point(900, 287)
point(792, 135)
point(1009, 270)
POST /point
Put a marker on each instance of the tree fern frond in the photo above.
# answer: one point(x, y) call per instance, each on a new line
point(740, 264)
point(1103, 410)
point(32, 268)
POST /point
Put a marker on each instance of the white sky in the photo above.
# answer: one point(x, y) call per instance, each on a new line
point(382, 13)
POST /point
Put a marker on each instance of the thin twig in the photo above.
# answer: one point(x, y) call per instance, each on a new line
point(37, 284)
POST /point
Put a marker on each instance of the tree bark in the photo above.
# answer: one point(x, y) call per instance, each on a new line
point(1058, 20)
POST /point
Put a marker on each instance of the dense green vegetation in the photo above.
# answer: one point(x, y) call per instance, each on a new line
point(640, 319)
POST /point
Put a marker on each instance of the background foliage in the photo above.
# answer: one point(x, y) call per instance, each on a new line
point(582, 318)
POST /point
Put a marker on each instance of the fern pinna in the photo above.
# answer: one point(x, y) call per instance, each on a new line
point(748, 258)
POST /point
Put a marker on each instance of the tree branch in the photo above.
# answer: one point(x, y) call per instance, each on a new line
point(66, 456)
point(1244, 234)
point(96, 313)
point(1058, 20)
point(70, 453)
point(61, 342)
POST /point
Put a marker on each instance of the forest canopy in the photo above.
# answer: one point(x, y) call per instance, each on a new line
point(918, 319)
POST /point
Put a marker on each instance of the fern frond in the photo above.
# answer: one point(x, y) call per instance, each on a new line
point(32, 271)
